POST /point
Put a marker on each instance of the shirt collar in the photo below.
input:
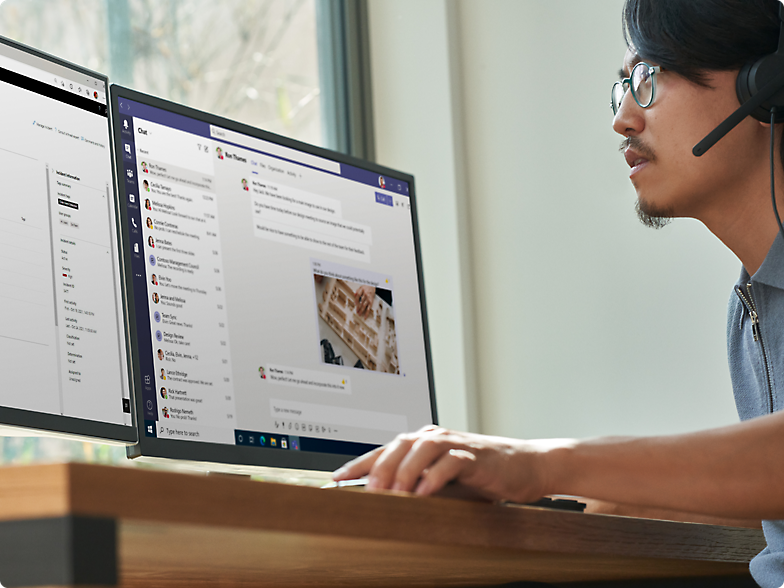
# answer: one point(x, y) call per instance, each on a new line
point(771, 272)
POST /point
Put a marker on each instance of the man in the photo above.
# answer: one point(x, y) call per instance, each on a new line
point(690, 53)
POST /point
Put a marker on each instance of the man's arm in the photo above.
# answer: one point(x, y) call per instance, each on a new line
point(735, 471)
point(645, 512)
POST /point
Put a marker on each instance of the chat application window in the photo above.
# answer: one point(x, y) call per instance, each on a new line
point(278, 291)
point(61, 335)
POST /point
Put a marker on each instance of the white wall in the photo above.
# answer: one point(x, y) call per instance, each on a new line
point(418, 130)
point(553, 312)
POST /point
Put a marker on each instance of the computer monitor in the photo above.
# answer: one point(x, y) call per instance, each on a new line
point(62, 333)
point(275, 293)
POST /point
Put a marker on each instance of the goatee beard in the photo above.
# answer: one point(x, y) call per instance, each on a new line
point(651, 216)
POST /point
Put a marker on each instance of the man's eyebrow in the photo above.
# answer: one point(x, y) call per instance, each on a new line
point(635, 60)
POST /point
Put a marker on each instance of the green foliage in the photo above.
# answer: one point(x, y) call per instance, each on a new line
point(27, 450)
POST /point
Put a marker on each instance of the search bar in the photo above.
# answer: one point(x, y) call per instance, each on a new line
point(273, 149)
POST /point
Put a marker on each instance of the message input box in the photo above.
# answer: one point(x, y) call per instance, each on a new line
point(336, 415)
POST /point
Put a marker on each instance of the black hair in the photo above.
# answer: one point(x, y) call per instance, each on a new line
point(692, 37)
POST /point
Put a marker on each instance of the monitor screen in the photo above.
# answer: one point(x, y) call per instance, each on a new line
point(62, 334)
point(277, 301)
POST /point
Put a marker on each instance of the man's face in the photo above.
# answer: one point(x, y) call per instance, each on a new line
point(668, 178)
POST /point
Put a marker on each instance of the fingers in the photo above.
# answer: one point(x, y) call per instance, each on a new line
point(364, 296)
point(384, 470)
point(361, 302)
point(448, 467)
point(356, 468)
point(424, 462)
point(402, 464)
point(424, 453)
point(361, 466)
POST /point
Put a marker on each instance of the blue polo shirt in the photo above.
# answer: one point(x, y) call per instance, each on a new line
point(755, 348)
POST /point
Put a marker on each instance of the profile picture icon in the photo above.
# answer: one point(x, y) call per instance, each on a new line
point(154, 280)
point(147, 185)
point(155, 297)
point(165, 413)
point(157, 316)
point(163, 374)
point(164, 394)
point(144, 167)
point(219, 151)
point(149, 223)
point(382, 182)
point(147, 204)
point(152, 259)
point(151, 242)
point(262, 373)
point(160, 354)
point(244, 184)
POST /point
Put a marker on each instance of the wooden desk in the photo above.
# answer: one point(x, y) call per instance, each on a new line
point(76, 524)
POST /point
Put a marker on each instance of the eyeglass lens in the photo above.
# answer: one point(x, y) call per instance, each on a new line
point(641, 85)
point(618, 92)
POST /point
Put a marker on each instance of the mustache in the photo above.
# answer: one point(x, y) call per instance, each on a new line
point(636, 144)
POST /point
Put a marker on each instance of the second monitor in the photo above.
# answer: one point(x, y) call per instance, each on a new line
point(275, 291)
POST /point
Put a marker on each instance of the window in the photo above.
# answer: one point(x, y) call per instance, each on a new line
point(255, 62)
point(252, 61)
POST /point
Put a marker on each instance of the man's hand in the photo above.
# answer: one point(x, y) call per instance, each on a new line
point(730, 472)
point(425, 461)
point(364, 297)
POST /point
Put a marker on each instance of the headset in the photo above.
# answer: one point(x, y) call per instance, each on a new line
point(760, 90)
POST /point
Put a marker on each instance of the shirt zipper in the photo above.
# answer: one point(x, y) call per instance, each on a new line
point(751, 307)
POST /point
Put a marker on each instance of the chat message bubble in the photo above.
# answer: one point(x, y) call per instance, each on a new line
point(330, 269)
point(266, 210)
point(297, 200)
point(310, 379)
point(311, 240)
point(335, 415)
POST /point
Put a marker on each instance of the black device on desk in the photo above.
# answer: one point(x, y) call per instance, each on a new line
point(275, 293)
point(63, 352)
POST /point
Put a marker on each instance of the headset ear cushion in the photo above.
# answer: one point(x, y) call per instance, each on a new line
point(752, 77)
point(742, 84)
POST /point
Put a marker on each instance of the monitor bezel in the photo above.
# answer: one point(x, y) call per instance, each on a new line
point(228, 454)
point(87, 429)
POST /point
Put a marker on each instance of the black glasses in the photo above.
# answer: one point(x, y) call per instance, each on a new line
point(642, 83)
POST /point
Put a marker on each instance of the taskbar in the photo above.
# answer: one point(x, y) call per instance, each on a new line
point(297, 443)
point(273, 440)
